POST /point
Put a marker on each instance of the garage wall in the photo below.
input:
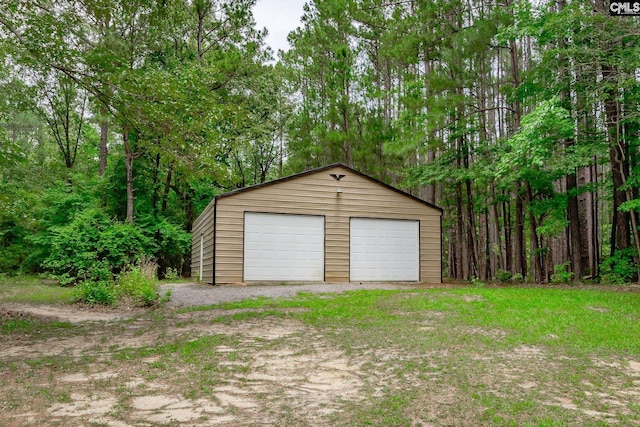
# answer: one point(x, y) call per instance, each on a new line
point(316, 194)
point(203, 226)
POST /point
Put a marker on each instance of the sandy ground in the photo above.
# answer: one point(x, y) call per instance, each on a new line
point(109, 369)
point(195, 294)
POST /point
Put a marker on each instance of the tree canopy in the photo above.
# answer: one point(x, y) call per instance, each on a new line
point(121, 119)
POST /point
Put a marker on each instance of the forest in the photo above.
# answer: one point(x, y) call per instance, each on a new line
point(121, 119)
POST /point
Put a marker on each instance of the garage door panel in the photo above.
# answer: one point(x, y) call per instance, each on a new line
point(384, 249)
point(283, 247)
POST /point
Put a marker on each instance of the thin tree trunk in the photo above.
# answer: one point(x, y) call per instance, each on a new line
point(506, 229)
point(471, 234)
point(167, 186)
point(104, 133)
point(519, 250)
point(621, 231)
point(537, 264)
point(575, 238)
point(460, 270)
point(129, 156)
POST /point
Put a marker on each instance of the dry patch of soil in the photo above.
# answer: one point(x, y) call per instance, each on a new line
point(69, 313)
point(285, 364)
point(275, 370)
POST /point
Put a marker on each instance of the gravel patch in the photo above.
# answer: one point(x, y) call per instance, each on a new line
point(196, 294)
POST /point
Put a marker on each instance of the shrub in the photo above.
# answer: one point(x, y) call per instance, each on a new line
point(477, 282)
point(138, 284)
point(91, 292)
point(619, 268)
point(503, 275)
point(517, 278)
point(561, 273)
point(171, 274)
point(170, 241)
point(92, 247)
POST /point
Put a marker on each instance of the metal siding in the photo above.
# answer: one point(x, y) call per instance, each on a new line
point(315, 194)
point(203, 226)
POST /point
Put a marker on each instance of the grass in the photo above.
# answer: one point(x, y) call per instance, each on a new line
point(32, 290)
point(575, 320)
point(29, 325)
point(462, 356)
point(469, 331)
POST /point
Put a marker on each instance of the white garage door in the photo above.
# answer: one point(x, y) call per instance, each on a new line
point(283, 247)
point(384, 249)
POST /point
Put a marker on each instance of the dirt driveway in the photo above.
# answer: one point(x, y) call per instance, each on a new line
point(377, 359)
point(195, 294)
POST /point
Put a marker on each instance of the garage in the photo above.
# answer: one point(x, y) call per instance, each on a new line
point(281, 247)
point(330, 224)
point(384, 250)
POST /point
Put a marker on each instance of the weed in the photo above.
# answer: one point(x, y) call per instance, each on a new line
point(139, 284)
point(91, 292)
point(619, 268)
point(561, 273)
point(503, 275)
point(171, 274)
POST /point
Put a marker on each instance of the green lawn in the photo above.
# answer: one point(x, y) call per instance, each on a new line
point(32, 290)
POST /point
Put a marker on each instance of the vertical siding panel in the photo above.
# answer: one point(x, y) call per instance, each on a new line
point(203, 226)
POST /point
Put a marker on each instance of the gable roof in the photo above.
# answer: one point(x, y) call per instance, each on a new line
point(320, 169)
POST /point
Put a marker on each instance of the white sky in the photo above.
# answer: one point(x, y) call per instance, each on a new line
point(280, 17)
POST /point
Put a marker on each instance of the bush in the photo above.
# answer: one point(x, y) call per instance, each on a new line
point(561, 273)
point(503, 275)
point(138, 284)
point(171, 274)
point(91, 292)
point(92, 247)
point(619, 268)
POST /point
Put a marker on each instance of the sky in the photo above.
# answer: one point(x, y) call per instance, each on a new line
point(279, 17)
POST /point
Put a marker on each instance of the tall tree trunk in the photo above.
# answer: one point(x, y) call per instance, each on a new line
point(104, 133)
point(129, 156)
point(520, 256)
point(167, 186)
point(471, 234)
point(574, 227)
point(595, 262)
point(506, 230)
point(519, 249)
point(459, 247)
point(496, 257)
point(620, 230)
point(537, 264)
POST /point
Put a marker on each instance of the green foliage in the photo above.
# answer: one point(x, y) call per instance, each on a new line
point(168, 241)
point(619, 268)
point(138, 284)
point(503, 275)
point(135, 285)
point(171, 274)
point(561, 273)
point(95, 292)
point(477, 282)
point(532, 148)
point(93, 246)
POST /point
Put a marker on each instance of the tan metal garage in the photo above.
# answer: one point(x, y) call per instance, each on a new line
point(330, 224)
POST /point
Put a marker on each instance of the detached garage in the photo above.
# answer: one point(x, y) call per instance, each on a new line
point(331, 224)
